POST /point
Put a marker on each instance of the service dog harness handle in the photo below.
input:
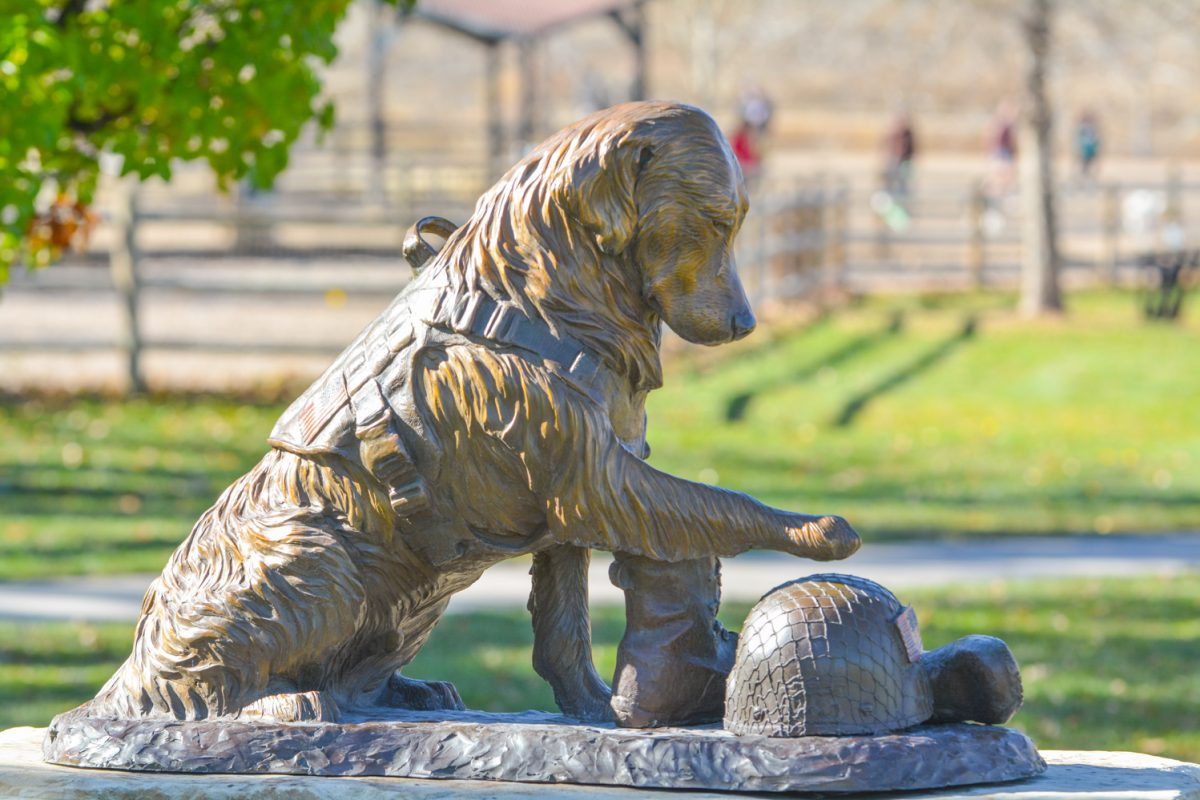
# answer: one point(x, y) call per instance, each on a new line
point(416, 250)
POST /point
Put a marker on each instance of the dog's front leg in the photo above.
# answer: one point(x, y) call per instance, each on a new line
point(562, 632)
point(615, 501)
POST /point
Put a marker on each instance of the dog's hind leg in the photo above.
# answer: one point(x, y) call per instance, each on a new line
point(401, 691)
point(415, 695)
point(562, 632)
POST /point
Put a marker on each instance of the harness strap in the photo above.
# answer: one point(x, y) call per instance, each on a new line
point(480, 316)
point(384, 455)
point(351, 398)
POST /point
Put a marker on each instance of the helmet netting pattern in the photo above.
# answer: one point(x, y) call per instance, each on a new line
point(821, 656)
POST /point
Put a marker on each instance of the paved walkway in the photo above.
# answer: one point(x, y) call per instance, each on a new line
point(747, 577)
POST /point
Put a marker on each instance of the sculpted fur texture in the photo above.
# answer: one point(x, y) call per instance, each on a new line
point(494, 409)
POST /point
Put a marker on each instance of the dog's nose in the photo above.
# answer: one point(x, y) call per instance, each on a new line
point(743, 323)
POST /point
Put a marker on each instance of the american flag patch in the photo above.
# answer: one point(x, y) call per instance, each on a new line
point(906, 623)
point(320, 408)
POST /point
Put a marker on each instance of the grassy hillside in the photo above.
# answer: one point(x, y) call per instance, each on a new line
point(948, 416)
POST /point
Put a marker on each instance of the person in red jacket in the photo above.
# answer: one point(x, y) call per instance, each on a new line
point(746, 148)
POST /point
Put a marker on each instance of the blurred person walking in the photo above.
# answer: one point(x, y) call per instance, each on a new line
point(900, 148)
point(746, 147)
point(890, 202)
point(755, 111)
point(1087, 143)
point(1003, 145)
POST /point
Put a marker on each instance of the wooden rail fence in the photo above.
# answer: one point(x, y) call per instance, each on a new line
point(811, 238)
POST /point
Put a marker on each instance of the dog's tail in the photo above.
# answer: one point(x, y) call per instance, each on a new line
point(115, 699)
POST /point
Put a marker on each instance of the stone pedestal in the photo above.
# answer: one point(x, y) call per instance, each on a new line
point(540, 748)
point(1072, 775)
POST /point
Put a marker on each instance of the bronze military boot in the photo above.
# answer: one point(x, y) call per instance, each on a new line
point(674, 658)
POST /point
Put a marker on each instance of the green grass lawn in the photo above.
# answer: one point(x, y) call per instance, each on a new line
point(94, 485)
point(947, 416)
point(895, 414)
point(1108, 664)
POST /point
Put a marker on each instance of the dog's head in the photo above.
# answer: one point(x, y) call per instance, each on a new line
point(657, 185)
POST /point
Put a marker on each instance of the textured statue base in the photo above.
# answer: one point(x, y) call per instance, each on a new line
point(535, 747)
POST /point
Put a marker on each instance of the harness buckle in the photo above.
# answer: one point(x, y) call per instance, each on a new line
point(500, 327)
point(463, 318)
point(585, 368)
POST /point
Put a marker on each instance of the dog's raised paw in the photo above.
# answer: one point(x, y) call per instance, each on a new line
point(827, 538)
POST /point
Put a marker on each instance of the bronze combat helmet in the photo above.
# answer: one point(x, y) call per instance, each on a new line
point(838, 655)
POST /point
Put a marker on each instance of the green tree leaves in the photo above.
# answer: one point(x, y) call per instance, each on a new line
point(149, 82)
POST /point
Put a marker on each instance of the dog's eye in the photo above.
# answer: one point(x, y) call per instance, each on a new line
point(644, 158)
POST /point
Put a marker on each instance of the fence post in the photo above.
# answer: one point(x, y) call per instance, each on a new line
point(841, 259)
point(803, 225)
point(1174, 210)
point(1111, 224)
point(762, 234)
point(123, 264)
point(883, 236)
point(1173, 236)
point(828, 241)
point(977, 244)
point(833, 253)
point(383, 24)
point(788, 225)
point(777, 249)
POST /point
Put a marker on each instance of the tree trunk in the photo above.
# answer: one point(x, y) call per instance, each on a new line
point(704, 53)
point(1040, 260)
point(381, 23)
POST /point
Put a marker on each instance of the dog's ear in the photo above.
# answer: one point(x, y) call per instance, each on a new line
point(603, 194)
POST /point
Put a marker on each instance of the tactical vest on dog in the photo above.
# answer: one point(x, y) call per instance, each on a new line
point(362, 408)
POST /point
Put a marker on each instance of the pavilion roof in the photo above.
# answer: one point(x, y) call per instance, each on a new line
point(494, 20)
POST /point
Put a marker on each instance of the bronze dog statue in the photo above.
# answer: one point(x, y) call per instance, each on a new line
point(494, 409)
